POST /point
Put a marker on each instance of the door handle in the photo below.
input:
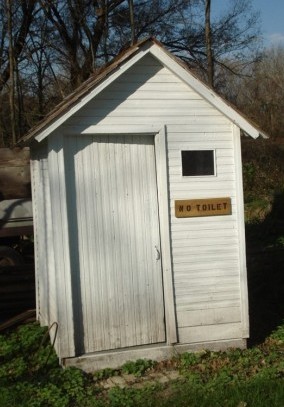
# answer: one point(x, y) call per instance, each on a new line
point(158, 253)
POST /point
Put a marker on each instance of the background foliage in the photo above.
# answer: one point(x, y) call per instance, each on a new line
point(48, 47)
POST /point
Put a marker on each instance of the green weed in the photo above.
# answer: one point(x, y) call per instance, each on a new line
point(280, 241)
point(139, 367)
point(105, 373)
point(131, 397)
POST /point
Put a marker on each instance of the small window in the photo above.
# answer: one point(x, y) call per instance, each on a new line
point(198, 162)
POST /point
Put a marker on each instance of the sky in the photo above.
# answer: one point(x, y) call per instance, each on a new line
point(271, 17)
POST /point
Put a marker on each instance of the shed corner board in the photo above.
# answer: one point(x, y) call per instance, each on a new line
point(164, 209)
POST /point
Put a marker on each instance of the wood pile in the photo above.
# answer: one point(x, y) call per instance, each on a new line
point(15, 179)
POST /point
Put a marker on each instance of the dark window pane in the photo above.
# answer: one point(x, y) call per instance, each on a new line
point(199, 162)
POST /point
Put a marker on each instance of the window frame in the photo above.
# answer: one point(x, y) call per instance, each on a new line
point(200, 175)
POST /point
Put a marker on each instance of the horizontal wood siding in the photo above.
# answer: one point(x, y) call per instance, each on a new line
point(205, 251)
point(211, 332)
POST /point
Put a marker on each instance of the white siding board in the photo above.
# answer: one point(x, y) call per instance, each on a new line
point(214, 332)
point(201, 144)
point(151, 86)
point(194, 138)
point(201, 182)
point(147, 61)
point(154, 111)
point(207, 234)
point(219, 193)
point(162, 75)
point(134, 118)
point(222, 176)
point(117, 103)
point(161, 84)
point(208, 289)
point(205, 300)
point(216, 222)
point(209, 317)
point(175, 169)
point(185, 261)
point(200, 272)
point(203, 306)
point(208, 254)
point(205, 297)
point(214, 189)
point(175, 126)
point(225, 153)
point(183, 246)
point(220, 154)
point(225, 160)
point(145, 95)
point(201, 276)
point(225, 169)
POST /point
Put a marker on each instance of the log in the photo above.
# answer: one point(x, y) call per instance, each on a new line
point(24, 316)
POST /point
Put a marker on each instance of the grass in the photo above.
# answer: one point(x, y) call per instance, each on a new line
point(30, 376)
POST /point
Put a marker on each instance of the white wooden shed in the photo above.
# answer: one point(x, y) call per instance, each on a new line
point(138, 215)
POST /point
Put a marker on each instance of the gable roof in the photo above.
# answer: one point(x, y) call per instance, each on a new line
point(99, 81)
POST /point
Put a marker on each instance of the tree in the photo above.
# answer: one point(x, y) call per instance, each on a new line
point(79, 28)
point(234, 35)
point(261, 93)
point(57, 44)
point(11, 69)
point(208, 41)
point(16, 18)
point(21, 20)
point(131, 19)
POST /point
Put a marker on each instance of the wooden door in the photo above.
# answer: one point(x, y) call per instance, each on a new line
point(118, 240)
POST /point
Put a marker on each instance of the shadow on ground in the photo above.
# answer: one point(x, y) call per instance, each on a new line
point(265, 264)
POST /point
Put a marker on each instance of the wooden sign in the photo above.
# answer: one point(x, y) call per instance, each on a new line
point(203, 207)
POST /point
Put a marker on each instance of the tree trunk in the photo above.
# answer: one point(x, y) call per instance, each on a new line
point(132, 24)
point(208, 41)
point(11, 72)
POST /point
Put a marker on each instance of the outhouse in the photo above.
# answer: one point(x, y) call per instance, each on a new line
point(138, 215)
